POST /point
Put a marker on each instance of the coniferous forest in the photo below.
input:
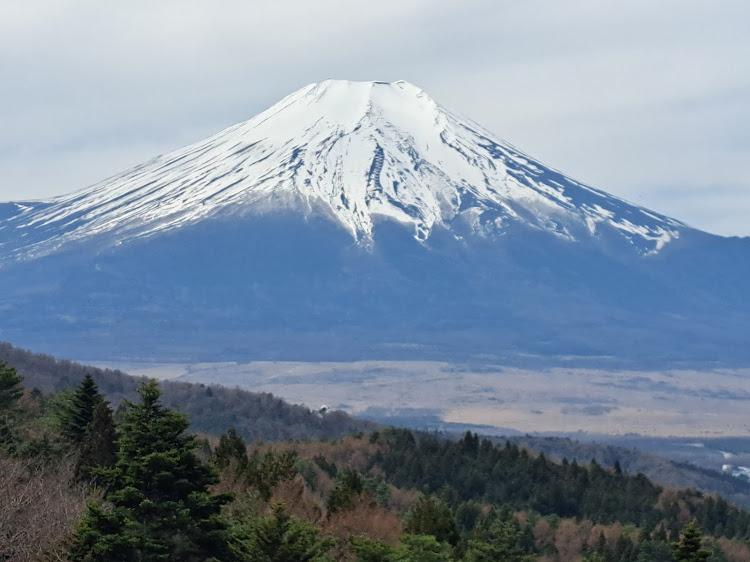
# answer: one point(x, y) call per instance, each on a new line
point(82, 481)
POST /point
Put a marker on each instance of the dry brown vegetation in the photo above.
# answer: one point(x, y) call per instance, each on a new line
point(735, 551)
point(298, 499)
point(570, 537)
point(559, 540)
point(567, 537)
point(39, 508)
point(366, 519)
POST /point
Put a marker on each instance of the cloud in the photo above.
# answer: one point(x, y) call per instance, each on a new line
point(628, 96)
point(719, 208)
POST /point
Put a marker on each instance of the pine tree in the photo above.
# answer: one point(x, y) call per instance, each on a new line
point(350, 486)
point(79, 413)
point(413, 548)
point(10, 392)
point(280, 538)
point(501, 542)
point(432, 516)
point(654, 551)
point(424, 548)
point(99, 447)
point(717, 554)
point(10, 387)
point(264, 472)
point(689, 548)
point(368, 550)
point(231, 449)
point(157, 507)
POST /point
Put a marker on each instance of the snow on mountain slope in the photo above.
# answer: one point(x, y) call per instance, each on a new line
point(357, 151)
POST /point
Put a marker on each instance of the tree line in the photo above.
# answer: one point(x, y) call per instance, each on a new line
point(156, 492)
point(211, 408)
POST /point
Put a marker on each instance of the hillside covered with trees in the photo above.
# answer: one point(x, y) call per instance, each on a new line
point(657, 467)
point(211, 409)
point(80, 481)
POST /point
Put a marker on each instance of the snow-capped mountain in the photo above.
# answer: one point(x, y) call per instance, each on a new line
point(363, 220)
point(358, 151)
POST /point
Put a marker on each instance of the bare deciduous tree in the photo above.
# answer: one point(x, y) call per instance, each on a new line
point(39, 509)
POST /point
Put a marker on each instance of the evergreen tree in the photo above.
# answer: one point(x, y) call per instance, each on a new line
point(368, 550)
point(279, 538)
point(432, 516)
point(231, 448)
point(413, 548)
point(467, 515)
point(80, 411)
point(264, 472)
point(99, 447)
point(690, 548)
point(157, 507)
point(424, 548)
point(501, 542)
point(674, 535)
point(10, 387)
point(10, 392)
point(654, 551)
point(717, 554)
point(350, 486)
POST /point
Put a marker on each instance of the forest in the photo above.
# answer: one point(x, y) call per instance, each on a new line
point(80, 480)
point(211, 409)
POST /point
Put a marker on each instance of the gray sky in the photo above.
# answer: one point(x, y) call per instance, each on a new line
point(649, 100)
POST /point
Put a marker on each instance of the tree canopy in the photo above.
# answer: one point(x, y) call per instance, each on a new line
point(157, 505)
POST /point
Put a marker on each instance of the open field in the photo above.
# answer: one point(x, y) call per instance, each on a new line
point(667, 403)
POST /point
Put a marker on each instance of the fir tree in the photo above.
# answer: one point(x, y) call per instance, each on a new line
point(501, 542)
point(279, 538)
point(80, 411)
point(99, 447)
point(413, 548)
point(157, 507)
point(717, 554)
point(10, 387)
point(690, 548)
point(10, 392)
point(654, 551)
point(368, 550)
point(264, 472)
point(231, 448)
point(432, 516)
point(425, 548)
point(350, 486)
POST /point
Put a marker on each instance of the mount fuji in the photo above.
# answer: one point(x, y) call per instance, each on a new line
point(362, 220)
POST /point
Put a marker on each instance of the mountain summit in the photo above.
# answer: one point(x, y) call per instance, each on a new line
point(357, 151)
point(363, 220)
